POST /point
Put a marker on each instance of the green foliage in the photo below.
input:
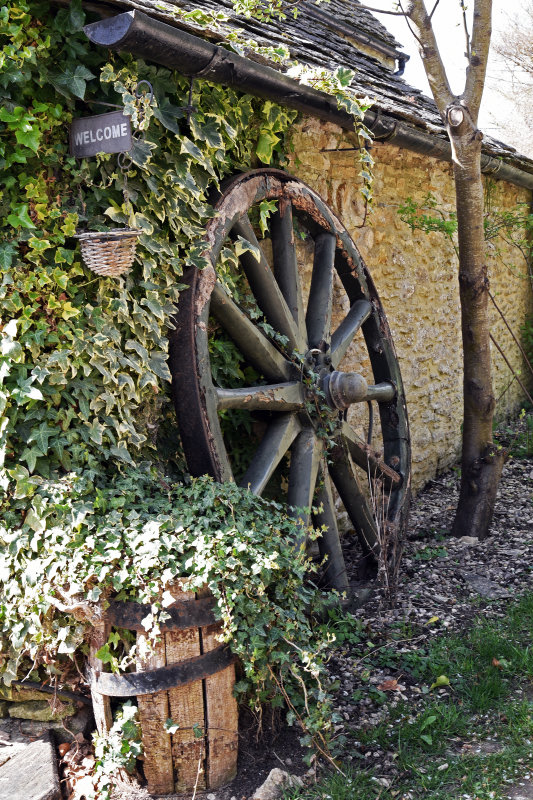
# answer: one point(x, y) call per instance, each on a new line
point(119, 749)
point(337, 84)
point(527, 338)
point(518, 440)
point(81, 541)
point(92, 353)
point(84, 380)
point(429, 553)
point(428, 216)
point(513, 226)
point(481, 678)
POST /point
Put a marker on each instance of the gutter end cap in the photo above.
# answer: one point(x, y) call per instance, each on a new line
point(111, 31)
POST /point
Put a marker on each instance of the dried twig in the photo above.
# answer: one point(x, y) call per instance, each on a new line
point(198, 773)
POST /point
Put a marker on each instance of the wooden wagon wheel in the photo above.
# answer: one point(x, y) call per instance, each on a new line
point(300, 392)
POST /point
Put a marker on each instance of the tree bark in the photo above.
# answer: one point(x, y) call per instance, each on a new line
point(481, 462)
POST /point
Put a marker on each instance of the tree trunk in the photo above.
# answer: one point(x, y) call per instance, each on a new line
point(482, 462)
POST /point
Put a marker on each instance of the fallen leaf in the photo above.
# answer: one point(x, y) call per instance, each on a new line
point(389, 686)
point(433, 619)
point(496, 663)
point(442, 680)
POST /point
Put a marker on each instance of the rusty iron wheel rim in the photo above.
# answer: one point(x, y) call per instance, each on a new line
point(277, 293)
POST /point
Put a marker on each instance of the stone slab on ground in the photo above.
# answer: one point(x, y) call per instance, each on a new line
point(484, 586)
point(31, 773)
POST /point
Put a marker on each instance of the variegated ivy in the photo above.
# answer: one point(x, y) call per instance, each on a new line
point(83, 360)
point(95, 350)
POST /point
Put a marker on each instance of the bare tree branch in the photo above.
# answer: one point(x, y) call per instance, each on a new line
point(434, 8)
point(467, 32)
point(477, 65)
point(435, 71)
point(383, 11)
point(413, 32)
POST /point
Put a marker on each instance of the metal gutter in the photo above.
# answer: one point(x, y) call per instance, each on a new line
point(150, 39)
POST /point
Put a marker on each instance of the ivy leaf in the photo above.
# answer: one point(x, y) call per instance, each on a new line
point(208, 133)
point(105, 655)
point(154, 305)
point(167, 114)
point(243, 246)
point(29, 138)
point(192, 149)
point(34, 521)
point(141, 152)
point(72, 81)
point(266, 208)
point(344, 76)
point(265, 146)
point(19, 217)
point(171, 727)
point(122, 454)
point(30, 456)
point(76, 15)
point(7, 252)
point(158, 364)
point(41, 436)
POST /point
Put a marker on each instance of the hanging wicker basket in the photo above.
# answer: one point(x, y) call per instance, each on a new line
point(109, 253)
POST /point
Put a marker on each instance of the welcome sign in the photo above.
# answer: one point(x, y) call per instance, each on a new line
point(103, 133)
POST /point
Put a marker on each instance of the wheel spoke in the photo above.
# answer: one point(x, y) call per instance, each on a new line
point(366, 458)
point(251, 341)
point(344, 335)
point(279, 436)
point(273, 397)
point(347, 483)
point(286, 264)
point(329, 542)
point(305, 461)
point(318, 317)
point(265, 288)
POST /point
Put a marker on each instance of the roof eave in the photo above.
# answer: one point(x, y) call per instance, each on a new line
point(171, 47)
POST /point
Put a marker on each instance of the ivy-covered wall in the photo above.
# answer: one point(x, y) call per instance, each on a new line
point(84, 377)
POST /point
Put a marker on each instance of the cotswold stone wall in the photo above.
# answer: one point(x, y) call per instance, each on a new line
point(416, 277)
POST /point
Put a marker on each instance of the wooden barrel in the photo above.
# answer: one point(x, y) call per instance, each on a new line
point(188, 677)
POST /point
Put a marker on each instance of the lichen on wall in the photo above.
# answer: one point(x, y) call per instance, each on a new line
point(416, 277)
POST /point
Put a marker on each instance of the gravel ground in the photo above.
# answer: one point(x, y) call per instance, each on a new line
point(453, 580)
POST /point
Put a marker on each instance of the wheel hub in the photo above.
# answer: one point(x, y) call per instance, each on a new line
point(344, 388)
point(333, 391)
point(336, 389)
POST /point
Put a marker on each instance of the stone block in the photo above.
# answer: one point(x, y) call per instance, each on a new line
point(40, 710)
point(31, 773)
point(16, 730)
